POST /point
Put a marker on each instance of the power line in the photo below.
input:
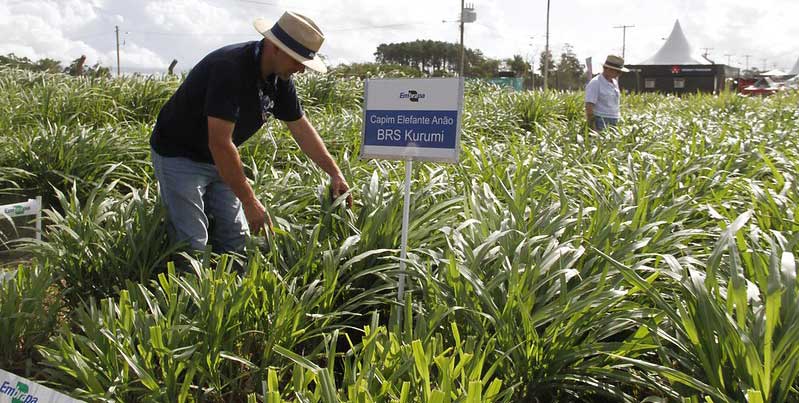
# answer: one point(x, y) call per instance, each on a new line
point(104, 33)
point(340, 29)
point(729, 58)
point(369, 27)
point(492, 29)
point(189, 33)
point(263, 3)
point(624, 37)
point(278, 5)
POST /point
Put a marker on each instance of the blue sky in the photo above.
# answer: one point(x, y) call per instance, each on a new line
point(153, 32)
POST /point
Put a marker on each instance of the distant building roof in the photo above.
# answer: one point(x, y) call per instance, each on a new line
point(775, 72)
point(676, 50)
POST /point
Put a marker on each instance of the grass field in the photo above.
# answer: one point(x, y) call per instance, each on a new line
point(653, 263)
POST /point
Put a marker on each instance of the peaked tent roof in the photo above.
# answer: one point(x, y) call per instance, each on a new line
point(676, 50)
point(775, 72)
point(795, 69)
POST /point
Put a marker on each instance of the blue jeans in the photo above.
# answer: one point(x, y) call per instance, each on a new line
point(603, 122)
point(195, 196)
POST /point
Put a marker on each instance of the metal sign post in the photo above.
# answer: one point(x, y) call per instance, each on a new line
point(412, 119)
point(406, 207)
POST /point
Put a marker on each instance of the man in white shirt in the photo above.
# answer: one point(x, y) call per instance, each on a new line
point(602, 95)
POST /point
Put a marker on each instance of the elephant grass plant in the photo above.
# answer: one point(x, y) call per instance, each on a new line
point(649, 262)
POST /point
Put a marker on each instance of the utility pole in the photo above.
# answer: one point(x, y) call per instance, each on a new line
point(546, 54)
point(532, 64)
point(116, 28)
point(463, 7)
point(765, 65)
point(467, 15)
point(623, 37)
point(747, 61)
point(729, 63)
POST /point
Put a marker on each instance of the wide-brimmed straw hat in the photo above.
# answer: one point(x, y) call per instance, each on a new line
point(616, 63)
point(296, 35)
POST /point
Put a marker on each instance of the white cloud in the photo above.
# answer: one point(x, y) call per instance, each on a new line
point(153, 32)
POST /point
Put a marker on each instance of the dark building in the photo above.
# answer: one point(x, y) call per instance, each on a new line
point(674, 69)
point(679, 78)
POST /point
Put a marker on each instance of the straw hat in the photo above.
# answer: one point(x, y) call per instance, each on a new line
point(296, 35)
point(616, 63)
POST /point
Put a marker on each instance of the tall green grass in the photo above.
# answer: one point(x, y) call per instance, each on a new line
point(650, 261)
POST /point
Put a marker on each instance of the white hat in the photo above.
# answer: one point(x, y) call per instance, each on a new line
point(616, 63)
point(296, 35)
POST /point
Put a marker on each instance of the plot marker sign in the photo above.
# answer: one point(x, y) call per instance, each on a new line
point(413, 119)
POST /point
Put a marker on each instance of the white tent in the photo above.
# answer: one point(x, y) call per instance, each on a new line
point(774, 73)
point(676, 50)
point(795, 70)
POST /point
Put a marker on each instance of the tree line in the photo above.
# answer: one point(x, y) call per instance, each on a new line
point(77, 67)
point(420, 58)
point(428, 58)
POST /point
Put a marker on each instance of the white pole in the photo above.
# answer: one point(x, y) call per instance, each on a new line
point(39, 219)
point(546, 54)
point(405, 218)
point(460, 69)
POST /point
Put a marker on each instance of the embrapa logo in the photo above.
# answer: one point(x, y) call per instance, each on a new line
point(412, 95)
point(17, 210)
point(18, 394)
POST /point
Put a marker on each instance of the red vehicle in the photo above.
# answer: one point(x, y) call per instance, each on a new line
point(758, 86)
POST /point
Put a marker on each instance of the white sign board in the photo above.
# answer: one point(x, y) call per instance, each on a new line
point(16, 389)
point(30, 207)
point(7, 275)
point(413, 119)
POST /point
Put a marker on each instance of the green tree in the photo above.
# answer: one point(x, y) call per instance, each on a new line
point(366, 70)
point(436, 58)
point(44, 65)
point(519, 66)
point(570, 74)
point(48, 65)
point(543, 58)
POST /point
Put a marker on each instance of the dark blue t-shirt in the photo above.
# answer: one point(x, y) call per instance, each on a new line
point(226, 84)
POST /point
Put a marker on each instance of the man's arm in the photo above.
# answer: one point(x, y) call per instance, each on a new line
point(228, 163)
point(589, 115)
point(312, 145)
point(591, 99)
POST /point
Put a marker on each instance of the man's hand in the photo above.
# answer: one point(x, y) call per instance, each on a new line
point(589, 116)
point(339, 186)
point(228, 163)
point(311, 144)
point(257, 217)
